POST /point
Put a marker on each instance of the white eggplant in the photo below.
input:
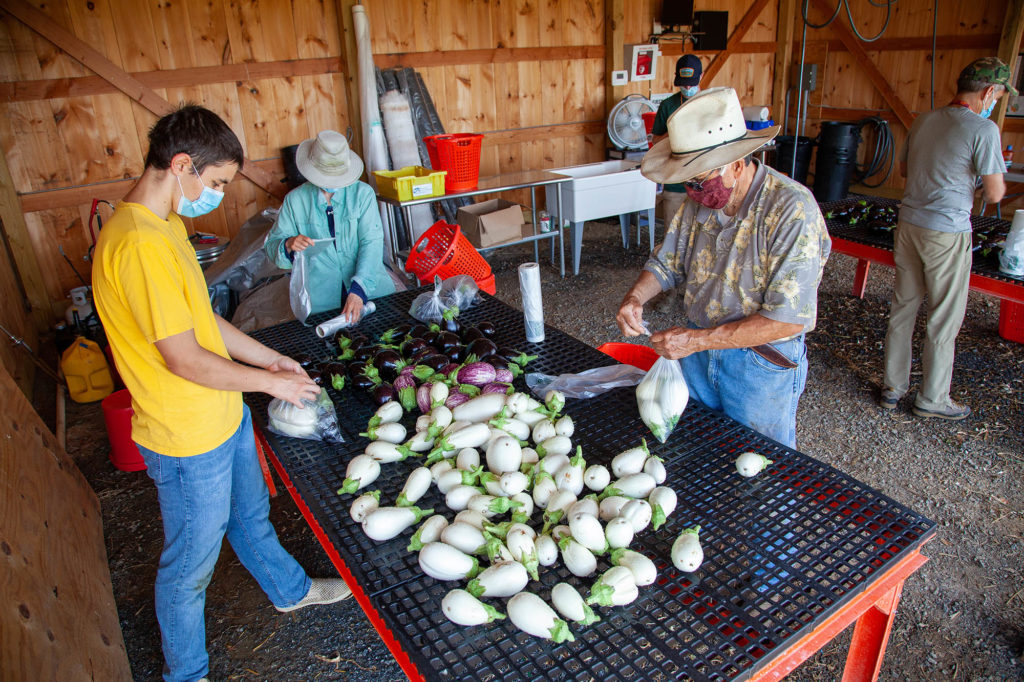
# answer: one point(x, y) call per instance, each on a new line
point(532, 615)
point(429, 531)
point(416, 487)
point(561, 500)
point(587, 531)
point(638, 513)
point(491, 484)
point(663, 502)
point(596, 477)
point(516, 402)
point(635, 485)
point(656, 469)
point(687, 554)
point(444, 562)
point(391, 432)
point(513, 482)
point(554, 401)
point(390, 411)
point(523, 528)
point(362, 470)
point(385, 452)
point(611, 506)
point(565, 427)
point(615, 587)
point(458, 497)
point(472, 436)
point(454, 477)
point(491, 505)
point(495, 434)
point(558, 533)
point(513, 427)
point(543, 488)
point(543, 430)
point(438, 394)
point(526, 505)
point(479, 409)
point(619, 532)
point(523, 549)
point(552, 464)
point(420, 442)
point(630, 461)
point(465, 538)
point(423, 422)
point(455, 426)
point(440, 417)
point(586, 505)
point(547, 550)
point(467, 459)
point(384, 523)
point(437, 470)
point(363, 505)
point(473, 518)
point(652, 414)
point(578, 559)
point(558, 445)
point(503, 579)
point(504, 454)
point(643, 569)
point(570, 476)
point(568, 602)
point(751, 464)
point(462, 608)
point(531, 417)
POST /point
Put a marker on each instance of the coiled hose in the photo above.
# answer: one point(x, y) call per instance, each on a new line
point(884, 154)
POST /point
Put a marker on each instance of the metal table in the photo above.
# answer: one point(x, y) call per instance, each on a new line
point(793, 556)
point(503, 182)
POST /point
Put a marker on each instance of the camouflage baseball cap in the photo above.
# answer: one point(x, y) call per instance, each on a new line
point(989, 70)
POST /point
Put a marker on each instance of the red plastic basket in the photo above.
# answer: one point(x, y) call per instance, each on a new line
point(445, 252)
point(648, 117)
point(487, 284)
point(459, 155)
point(630, 354)
point(1011, 321)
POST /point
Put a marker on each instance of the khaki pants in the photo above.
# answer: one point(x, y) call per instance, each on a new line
point(670, 204)
point(937, 264)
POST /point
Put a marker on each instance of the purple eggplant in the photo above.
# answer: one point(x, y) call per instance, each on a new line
point(423, 397)
point(411, 347)
point(355, 369)
point(403, 329)
point(449, 368)
point(418, 330)
point(498, 361)
point(497, 387)
point(316, 375)
point(471, 334)
point(362, 354)
point(458, 354)
point(446, 341)
point(388, 362)
point(384, 393)
point(487, 328)
point(476, 373)
point(358, 341)
point(405, 387)
point(503, 374)
point(482, 348)
point(436, 362)
point(455, 398)
point(362, 382)
point(305, 360)
point(430, 337)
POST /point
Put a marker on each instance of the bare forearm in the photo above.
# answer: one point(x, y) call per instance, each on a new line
point(750, 331)
point(213, 371)
point(243, 347)
point(644, 289)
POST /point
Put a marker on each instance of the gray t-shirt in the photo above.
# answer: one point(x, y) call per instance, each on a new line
point(945, 152)
point(767, 259)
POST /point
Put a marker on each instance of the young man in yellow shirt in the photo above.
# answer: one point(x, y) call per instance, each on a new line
point(179, 361)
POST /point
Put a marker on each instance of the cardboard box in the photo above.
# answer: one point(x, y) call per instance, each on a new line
point(491, 222)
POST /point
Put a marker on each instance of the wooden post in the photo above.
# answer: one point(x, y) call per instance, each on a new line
point(1009, 47)
point(783, 53)
point(350, 67)
point(22, 250)
point(734, 40)
point(614, 32)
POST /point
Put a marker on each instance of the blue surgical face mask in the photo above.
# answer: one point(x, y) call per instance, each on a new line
point(690, 91)
point(208, 200)
point(987, 111)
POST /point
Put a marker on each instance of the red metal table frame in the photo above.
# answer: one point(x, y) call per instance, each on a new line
point(873, 610)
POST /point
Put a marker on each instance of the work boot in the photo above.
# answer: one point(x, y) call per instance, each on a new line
point(954, 412)
point(889, 399)
point(322, 591)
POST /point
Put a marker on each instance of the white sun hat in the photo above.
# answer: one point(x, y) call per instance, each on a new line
point(706, 132)
point(326, 160)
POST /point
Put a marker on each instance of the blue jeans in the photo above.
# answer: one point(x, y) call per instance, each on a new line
point(202, 498)
point(750, 389)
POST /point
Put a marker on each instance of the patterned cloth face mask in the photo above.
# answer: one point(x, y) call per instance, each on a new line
point(711, 192)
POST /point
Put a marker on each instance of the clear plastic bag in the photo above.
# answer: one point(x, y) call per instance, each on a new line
point(298, 287)
point(315, 420)
point(662, 397)
point(430, 306)
point(462, 290)
point(585, 384)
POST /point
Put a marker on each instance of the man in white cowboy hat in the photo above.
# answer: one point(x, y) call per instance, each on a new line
point(348, 266)
point(747, 250)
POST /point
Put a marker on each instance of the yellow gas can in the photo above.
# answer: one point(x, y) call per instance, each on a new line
point(86, 371)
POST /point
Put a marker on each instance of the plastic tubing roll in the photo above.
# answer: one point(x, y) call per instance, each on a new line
point(533, 307)
point(325, 329)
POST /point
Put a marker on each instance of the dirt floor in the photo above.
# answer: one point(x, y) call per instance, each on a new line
point(961, 616)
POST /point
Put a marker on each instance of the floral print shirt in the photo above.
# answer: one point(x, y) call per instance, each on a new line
point(766, 259)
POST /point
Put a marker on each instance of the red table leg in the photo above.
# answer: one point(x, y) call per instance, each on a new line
point(261, 449)
point(860, 280)
point(870, 635)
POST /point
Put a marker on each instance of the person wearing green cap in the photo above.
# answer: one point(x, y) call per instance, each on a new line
point(946, 151)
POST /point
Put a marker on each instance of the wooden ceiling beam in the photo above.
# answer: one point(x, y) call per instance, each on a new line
point(734, 40)
point(123, 81)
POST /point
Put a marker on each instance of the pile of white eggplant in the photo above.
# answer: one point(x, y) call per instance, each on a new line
point(516, 508)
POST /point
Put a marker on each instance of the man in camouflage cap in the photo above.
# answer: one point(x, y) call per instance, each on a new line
point(946, 151)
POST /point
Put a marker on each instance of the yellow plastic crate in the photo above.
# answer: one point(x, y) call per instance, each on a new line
point(411, 182)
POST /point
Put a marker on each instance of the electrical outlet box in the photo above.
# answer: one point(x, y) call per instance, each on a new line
point(809, 77)
point(620, 77)
point(641, 61)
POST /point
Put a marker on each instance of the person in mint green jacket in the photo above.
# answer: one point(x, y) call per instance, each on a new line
point(336, 215)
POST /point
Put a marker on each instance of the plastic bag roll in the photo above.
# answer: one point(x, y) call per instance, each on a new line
point(756, 114)
point(325, 329)
point(533, 307)
point(1011, 258)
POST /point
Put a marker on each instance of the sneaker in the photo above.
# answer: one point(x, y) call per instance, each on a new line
point(953, 412)
point(889, 399)
point(322, 591)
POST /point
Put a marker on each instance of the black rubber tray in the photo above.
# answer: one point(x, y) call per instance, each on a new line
point(783, 550)
point(987, 266)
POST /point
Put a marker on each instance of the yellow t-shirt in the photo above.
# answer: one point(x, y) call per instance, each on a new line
point(147, 285)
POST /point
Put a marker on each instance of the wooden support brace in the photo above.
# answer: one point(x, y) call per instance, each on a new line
point(783, 47)
point(350, 67)
point(735, 39)
point(1009, 46)
point(614, 36)
point(860, 279)
point(870, 636)
point(123, 81)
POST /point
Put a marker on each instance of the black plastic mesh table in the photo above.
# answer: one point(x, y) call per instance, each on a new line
point(784, 550)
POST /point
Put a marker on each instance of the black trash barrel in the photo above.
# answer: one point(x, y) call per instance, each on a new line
point(837, 156)
point(784, 157)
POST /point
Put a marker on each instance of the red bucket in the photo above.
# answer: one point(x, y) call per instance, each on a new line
point(630, 354)
point(117, 413)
